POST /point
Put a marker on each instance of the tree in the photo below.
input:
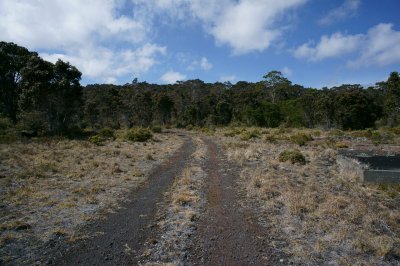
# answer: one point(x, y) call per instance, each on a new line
point(165, 106)
point(34, 85)
point(391, 103)
point(325, 107)
point(354, 109)
point(265, 115)
point(275, 84)
point(223, 113)
point(65, 98)
point(12, 59)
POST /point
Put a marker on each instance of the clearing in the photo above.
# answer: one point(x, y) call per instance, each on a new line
point(235, 196)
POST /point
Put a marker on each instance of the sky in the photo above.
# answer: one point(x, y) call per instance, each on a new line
point(314, 43)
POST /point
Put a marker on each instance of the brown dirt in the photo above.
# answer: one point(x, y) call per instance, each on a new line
point(119, 239)
point(228, 234)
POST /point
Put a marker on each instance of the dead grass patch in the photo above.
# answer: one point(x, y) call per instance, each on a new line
point(51, 180)
point(323, 213)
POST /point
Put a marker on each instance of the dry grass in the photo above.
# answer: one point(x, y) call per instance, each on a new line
point(49, 188)
point(321, 211)
point(178, 217)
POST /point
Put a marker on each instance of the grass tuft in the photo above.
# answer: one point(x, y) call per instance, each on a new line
point(138, 134)
point(301, 139)
point(293, 156)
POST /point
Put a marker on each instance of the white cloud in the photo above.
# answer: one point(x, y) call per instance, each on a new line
point(203, 64)
point(379, 46)
point(61, 24)
point(87, 33)
point(329, 47)
point(171, 77)
point(106, 64)
point(230, 78)
point(347, 9)
point(244, 25)
point(287, 71)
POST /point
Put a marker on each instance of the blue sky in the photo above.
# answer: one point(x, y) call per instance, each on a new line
point(315, 43)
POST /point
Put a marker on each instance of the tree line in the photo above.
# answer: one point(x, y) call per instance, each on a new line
point(48, 98)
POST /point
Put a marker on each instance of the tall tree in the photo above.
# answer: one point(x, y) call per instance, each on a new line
point(12, 59)
point(276, 84)
point(392, 99)
point(65, 98)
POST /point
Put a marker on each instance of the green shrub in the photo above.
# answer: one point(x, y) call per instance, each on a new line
point(293, 156)
point(336, 133)
point(255, 133)
point(8, 132)
point(300, 138)
point(156, 129)
point(97, 139)
point(33, 121)
point(5, 123)
point(234, 131)
point(189, 127)
point(271, 138)
point(138, 134)
point(361, 133)
point(207, 131)
point(8, 137)
point(107, 133)
point(229, 134)
point(317, 133)
point(395, 130)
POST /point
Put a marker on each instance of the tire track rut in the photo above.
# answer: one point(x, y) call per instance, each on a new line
point(227, 233)
point(120, 238)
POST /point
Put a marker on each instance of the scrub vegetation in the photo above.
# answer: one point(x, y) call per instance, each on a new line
point(320, 211)
point(69, 154)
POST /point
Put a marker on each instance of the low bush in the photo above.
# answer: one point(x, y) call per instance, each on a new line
point(293, 156)
point(206, 130)
point(361, 133)
point(271, 138)
point(138, 134)
point(7, 130)
point(234, 131)
point(247, 135)
point(156, 129)
point(5, 123)
point(395, 130)
point(301, 138)
point(107, 133)
point(336, 133)
point(97, 140)
point(33, 121)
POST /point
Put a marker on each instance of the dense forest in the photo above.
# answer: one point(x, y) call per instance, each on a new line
point(48, 98)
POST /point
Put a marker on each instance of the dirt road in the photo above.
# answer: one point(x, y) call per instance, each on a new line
point(228, 234)
point(120, 237)
point(225, 234)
